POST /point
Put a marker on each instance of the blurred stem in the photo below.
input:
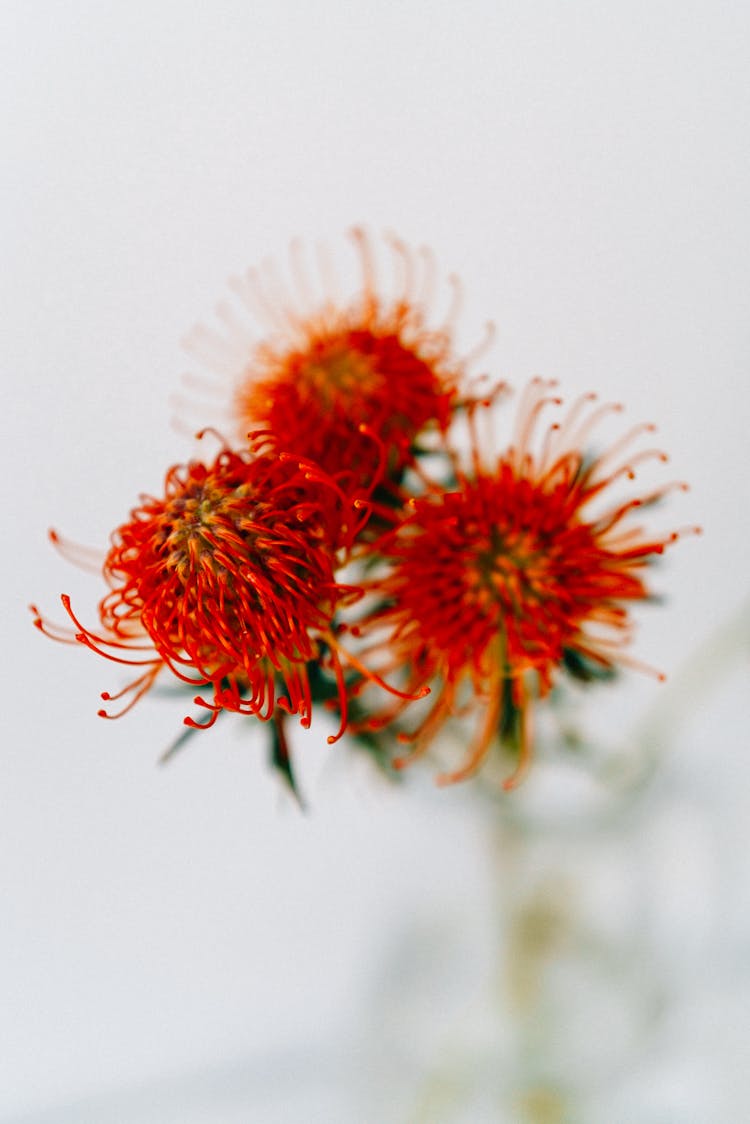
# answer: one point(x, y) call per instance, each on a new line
point(528, 929)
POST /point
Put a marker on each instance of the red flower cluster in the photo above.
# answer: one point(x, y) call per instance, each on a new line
point(484, 589)
point(510, 575)
point(228, 580)
point(348, 383)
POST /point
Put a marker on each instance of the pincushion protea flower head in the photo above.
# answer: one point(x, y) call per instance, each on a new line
point(518, 571)
point(228, 580)
point(330, 367)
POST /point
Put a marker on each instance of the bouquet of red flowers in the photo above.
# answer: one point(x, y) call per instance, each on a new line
point(361, 540)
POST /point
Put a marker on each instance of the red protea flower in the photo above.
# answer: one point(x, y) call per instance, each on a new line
point(228, 580)
point(329, 368)
point(516, 572)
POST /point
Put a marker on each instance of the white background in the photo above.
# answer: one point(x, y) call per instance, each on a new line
point(583, 167)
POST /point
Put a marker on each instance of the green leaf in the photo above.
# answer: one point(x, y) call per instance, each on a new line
point(281, 759)
point(586, 669)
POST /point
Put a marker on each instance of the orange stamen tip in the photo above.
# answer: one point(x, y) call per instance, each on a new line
point(445, 780)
